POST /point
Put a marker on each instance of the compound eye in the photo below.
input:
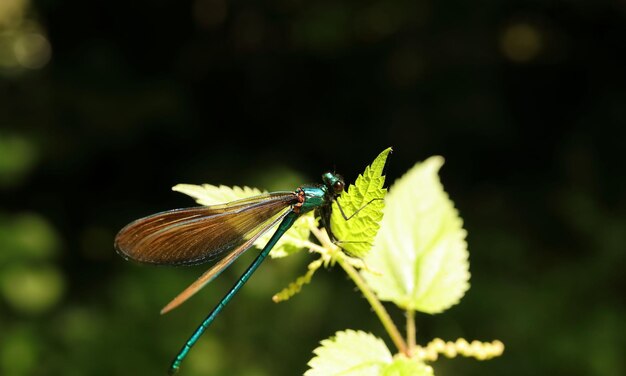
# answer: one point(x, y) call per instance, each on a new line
point(338, 186)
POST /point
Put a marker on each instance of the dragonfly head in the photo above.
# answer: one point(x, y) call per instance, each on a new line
point(334, 182)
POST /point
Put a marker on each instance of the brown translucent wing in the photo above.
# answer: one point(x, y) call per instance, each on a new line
point(195, 235)
point(218, 267)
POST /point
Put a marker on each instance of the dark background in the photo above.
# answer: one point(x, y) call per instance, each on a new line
point(104, 105)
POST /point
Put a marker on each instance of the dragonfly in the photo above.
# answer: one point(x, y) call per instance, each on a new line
point(220, 234)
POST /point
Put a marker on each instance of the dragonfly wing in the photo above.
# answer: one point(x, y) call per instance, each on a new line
point(195, 235)
point(218, 267)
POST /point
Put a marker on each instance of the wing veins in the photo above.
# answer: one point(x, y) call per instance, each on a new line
point(194, 235)
point(218, 267)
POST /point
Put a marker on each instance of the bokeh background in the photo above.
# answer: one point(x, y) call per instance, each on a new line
point(104, 105)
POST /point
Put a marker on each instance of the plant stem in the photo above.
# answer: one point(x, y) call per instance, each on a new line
point(315, 247)
point(379, 309)
point(377, 306)
point(410, 330)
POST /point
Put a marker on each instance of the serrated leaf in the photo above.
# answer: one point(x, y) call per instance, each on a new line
point(350, 353)
point(296, 287)
point(402, 366)
point(207, 194)
point(420, 252)
point(357, 235)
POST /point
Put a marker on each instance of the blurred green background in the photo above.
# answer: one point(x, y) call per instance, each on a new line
point(104, 105)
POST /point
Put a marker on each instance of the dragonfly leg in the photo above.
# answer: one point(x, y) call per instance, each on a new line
point(343, 214)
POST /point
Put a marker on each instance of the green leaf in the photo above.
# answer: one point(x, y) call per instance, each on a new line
point(207, 194)
point(296, 287)
point(402, 366)
point(350, 353)
point(357, 235)
point(420, 254)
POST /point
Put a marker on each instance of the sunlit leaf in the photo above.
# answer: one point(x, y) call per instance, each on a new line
point(207, 194)
point(402, 366)
point(296, 286)
point(350, 353)
point(420, 253)
point(357, 235)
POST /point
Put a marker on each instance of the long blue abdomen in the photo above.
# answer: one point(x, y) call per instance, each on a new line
point(286, 223)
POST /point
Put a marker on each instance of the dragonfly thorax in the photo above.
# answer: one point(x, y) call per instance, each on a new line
point(320, 195)
point(314, 197)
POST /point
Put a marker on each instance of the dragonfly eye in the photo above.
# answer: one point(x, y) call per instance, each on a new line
point(338, 187)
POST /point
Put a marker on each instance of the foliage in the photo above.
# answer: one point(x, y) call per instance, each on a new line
point(419, 261)
point(356, 353)
point(363, 204)
point(420, 254)
point(350, 353)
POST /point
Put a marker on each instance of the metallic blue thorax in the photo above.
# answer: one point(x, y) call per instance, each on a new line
point(314, 197)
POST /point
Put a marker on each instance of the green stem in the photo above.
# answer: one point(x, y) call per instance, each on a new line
point(315, 247)
point(410, 330)
point(379, 309)
point(377, 306)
